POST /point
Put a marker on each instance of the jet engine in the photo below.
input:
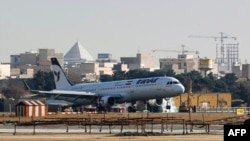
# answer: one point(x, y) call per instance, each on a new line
point(106, 101)
point(155, 102)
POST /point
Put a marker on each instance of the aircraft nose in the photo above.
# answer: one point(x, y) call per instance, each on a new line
point(181, 88)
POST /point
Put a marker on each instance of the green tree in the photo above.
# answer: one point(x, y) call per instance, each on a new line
point(157, 73)
point(132, 74)
point(220, 86)
point(13, 92)
point(42, 81)
point(119, 75)
point(106, 78)
point(229, 79)
point(241, 91)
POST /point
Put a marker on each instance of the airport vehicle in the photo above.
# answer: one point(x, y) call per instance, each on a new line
point(106, 94)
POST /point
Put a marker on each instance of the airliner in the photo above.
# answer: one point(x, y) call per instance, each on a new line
point(106, 94)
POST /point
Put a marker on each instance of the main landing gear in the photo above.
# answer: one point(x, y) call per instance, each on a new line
point(131, 109)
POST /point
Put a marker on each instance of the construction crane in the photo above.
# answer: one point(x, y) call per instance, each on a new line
point(183, 51)
point(222, 37)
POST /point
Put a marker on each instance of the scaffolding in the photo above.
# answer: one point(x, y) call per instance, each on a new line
point(226, 53)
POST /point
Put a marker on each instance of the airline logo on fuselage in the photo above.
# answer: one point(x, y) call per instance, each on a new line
point(146, 81)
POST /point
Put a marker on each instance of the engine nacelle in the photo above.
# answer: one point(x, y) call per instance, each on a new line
point(155, 102)
point(106, 101)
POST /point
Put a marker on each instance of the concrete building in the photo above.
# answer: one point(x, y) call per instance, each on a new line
point(28, 58)
point(237, 69)
point(14, 61)
point(141, 61)
point(44, 56)
point(105, 57)
point(90, 71)
point(106, 68)
point(183, 64)
point(22, 72)
point(246, 71)
point(106, 63)
point(27, 64)
point(4, 70)
point(120, 67)
point(84, 72)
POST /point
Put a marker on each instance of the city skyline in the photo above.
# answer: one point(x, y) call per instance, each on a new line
point(122, 28)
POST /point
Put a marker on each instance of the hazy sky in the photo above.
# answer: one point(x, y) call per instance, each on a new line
point(122, 27)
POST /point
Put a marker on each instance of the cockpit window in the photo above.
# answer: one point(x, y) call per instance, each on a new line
point(172, 82)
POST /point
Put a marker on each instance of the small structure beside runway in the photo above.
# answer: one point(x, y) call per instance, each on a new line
point(32, 108)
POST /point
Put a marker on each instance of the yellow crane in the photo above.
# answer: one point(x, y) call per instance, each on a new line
point(187, 106)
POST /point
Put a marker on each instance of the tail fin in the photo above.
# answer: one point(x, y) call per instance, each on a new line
point(61, 81)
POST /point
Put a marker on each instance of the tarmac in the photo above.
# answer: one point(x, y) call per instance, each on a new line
point(109, 137)
point(78, 133)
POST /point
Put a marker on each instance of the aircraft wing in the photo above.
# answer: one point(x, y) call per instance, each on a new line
point(64, 92)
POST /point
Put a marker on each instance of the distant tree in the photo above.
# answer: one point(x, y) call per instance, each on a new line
point(14, 92)
point(42, 81)
point(220, 86)
point(170, 73)
point(229, 79)
point(205, 85)
point(119, 75)
point(210, 76)
point(241, 91)
point(157, 73)
point(106, 78)
point(195, 76)
point(133, 74)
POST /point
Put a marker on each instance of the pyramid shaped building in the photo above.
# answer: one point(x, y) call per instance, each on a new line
point(77, 54)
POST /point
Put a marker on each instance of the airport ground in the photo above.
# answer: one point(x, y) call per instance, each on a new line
point(108, 137)
point(77, 133)
point(63, 132)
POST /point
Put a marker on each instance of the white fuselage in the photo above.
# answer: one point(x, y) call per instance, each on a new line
point(129, 90)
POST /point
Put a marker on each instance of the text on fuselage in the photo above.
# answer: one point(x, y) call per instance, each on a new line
point(146, 81)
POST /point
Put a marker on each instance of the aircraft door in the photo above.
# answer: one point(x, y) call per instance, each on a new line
point(132, 94)
point(159, 86)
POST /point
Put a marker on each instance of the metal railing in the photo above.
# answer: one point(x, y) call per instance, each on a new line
point(243, 110)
